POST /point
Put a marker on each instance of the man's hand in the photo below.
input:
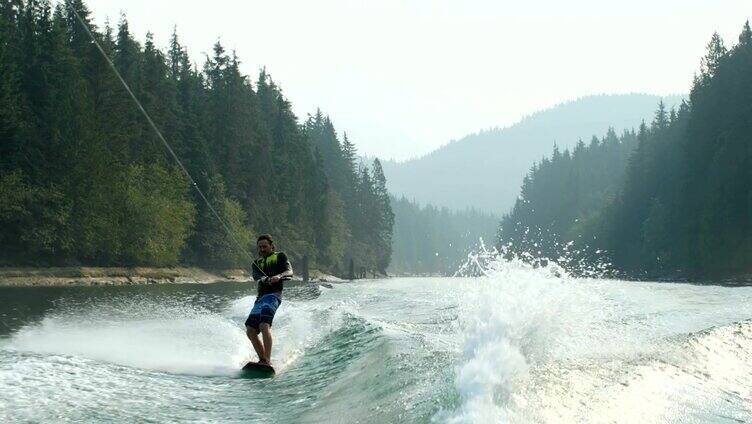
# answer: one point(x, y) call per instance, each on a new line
point(274, 279)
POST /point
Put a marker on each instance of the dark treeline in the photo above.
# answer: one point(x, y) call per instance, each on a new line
point(680, 204)
point(431, 240)
point(85, 180)
point(562, 198)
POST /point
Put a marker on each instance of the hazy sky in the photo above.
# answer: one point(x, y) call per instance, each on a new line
point(405, 77)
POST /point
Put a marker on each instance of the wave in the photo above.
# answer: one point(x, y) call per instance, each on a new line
point(518, 344)
point(539, 345)
point(173, 338)
point(509, 317)
point(699, 378)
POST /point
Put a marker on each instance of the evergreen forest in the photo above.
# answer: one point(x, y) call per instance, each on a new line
point(429, 240)
point(84, 180)
point(671, 199)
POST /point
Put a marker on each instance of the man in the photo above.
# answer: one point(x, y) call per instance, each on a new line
point(270, 271)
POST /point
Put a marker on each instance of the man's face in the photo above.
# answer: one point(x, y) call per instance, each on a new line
point(264, 247)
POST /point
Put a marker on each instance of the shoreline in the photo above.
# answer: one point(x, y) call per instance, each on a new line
point(115, 276)
point(125, 276)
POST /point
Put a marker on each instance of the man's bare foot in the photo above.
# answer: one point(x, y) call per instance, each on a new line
point(264, 361)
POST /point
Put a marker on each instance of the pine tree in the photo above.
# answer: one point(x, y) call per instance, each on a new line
point(385, 217)
point(14, 128)
point(745, 38)
point(661, 117)
point(716, 53)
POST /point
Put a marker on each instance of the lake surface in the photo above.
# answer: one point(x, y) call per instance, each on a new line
point(520, 345)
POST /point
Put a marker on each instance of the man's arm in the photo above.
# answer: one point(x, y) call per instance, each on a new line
point(258, 276)
point(284, 274)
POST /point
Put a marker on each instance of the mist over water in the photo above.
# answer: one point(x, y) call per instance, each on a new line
point(519, 344)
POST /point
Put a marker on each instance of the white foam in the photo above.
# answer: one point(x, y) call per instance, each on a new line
point(178, 339)
point(507, 319)
point(541, 346)
point(170, 339)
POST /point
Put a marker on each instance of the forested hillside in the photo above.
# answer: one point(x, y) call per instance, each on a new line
point(679, 205)
point(562, 198)
point(485, 170)
point(431, 240)
point(85, 180)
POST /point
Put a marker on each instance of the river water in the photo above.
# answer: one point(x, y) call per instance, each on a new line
point(519, 345)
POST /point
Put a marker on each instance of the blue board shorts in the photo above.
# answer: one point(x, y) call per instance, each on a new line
point(263, 310)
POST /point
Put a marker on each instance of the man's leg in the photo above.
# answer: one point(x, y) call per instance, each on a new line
point(266, 334)
point(253, 337)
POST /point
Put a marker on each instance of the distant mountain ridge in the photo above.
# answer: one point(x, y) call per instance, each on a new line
point(485, 170)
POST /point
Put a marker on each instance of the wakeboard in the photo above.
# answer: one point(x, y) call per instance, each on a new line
point(256, 370)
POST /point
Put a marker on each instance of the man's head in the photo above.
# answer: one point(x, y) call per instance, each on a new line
point(265, 245)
